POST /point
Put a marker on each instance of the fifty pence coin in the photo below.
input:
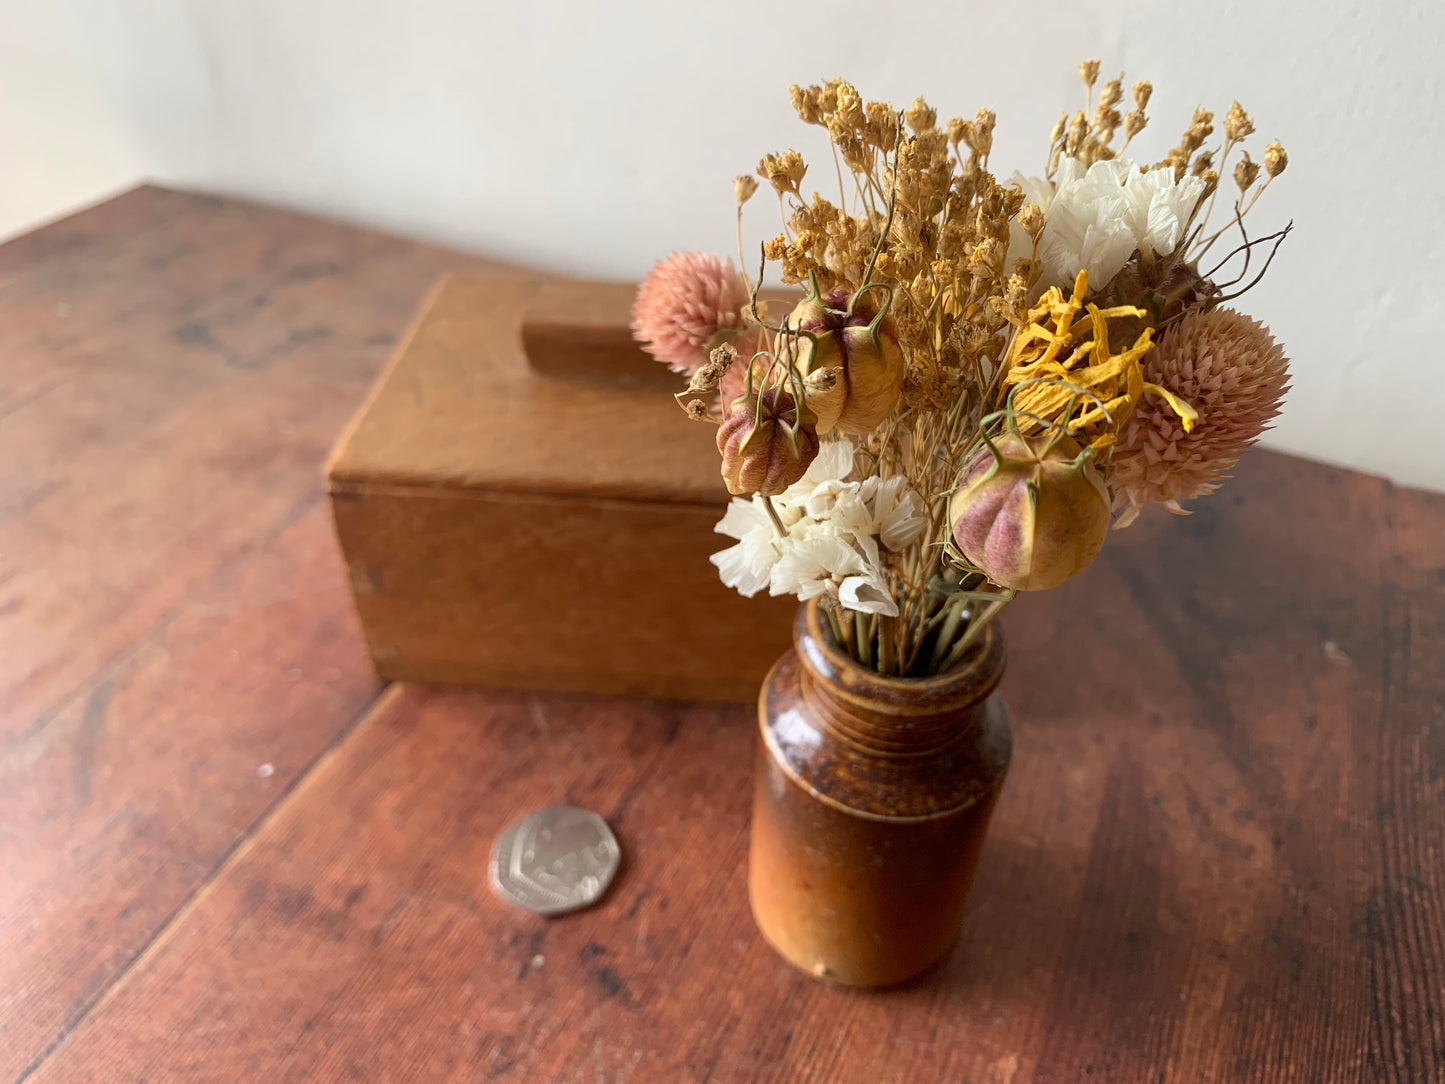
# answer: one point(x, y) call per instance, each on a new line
point(555, 860)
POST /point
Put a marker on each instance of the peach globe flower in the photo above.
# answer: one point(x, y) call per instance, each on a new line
point(682, 306)
point(1229, 367)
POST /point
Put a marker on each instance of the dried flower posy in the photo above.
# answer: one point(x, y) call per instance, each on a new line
point(975, 370)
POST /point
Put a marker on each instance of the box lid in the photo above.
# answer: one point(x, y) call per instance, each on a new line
point(461, 407)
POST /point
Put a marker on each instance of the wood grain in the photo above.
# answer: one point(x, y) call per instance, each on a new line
point(183, 364)
point(1217, 858)
point(173, 614)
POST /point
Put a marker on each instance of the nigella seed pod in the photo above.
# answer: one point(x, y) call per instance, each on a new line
point(848, 349)
point(1031, 511)
point(765, 446)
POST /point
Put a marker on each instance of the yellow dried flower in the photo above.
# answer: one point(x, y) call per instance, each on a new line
point(986, 259)
point(805, 103)
point(1201, 127)
point(1134, 123)
point(826, 96)
point(1193, 138)
point(856, 154)
point(1112, 92)
point(920, 117)
point(882, 128)
point(1106, 123)
point(1245, 172)
point(1077, 133)
point(983, 126)
point(1237, 124)
point(744, 185)
point(1031, 218)
point(1057, 133)
point(1065, 356)
point(1089, 72)
point(1275, 159)
point(783, 171)
point(1143, 90)
point(848, 110)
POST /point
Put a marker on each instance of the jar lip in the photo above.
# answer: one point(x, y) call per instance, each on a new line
point(973, 678)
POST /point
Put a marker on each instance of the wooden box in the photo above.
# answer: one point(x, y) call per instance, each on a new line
point(540, 514)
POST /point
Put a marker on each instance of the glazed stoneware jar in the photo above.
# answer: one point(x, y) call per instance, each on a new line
point(873, 796)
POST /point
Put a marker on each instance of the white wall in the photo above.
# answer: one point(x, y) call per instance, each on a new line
point(592, 137)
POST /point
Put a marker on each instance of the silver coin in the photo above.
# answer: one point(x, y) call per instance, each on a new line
point(555, 860)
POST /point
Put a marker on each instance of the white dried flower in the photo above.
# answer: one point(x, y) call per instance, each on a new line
point(748, 566)
point(1096, 218)
point(834, 530)
point(822, 563)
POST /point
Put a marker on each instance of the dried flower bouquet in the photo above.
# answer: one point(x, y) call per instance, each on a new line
point(981, 378)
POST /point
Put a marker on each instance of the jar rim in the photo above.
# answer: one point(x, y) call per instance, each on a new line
point(971, 680)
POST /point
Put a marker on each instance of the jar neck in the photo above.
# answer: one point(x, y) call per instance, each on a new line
point(894, 717)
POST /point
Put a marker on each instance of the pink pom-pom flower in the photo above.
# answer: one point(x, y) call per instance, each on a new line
point(1229, 367)
point(683, 304)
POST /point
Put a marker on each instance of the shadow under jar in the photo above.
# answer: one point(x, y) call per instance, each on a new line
point(872, 798)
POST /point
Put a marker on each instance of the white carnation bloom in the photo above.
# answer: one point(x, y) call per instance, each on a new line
point(1095, 219)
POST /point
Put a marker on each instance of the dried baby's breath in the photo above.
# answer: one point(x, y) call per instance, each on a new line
point(1245, 172)
point(943, 262)
point(1275, 159)
point(1237, 124)
point(784, 172)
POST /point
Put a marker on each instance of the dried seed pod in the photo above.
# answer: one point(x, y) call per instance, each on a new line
point(765, 445)
point(855, 336)
point(1031, 511)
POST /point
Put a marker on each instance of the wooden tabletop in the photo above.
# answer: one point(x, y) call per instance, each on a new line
point(228, 854)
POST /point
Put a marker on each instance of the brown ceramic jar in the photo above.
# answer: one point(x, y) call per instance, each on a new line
point(872, 798)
